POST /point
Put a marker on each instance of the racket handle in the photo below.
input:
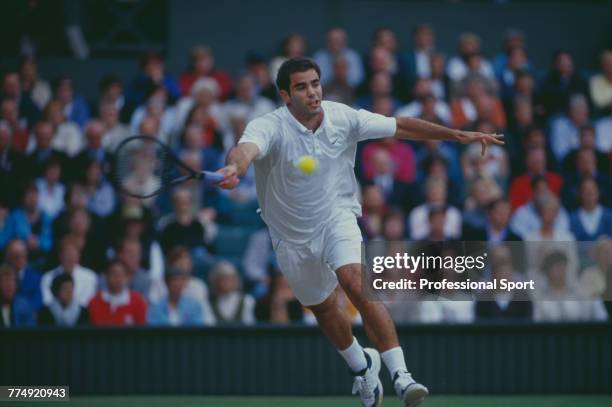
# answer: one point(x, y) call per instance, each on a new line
point(213, 177)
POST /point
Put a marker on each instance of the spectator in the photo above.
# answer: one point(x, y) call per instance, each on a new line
point(440, 82)
point(548, 237)
point(496, 227)
point(176, 309)
point(117, 305)
point(520, 189)
point(279, 306)
point(32, 85)
point(437, 219)
point(587, 141)
point(292, 46)
point(418, 59)
point(601, 85)
point(151, 76)
point(110, 90)
point(379, 86)
point(459, 65)
point(90, 244)
point(229, 304)
point(520, 104)
point(426, 105)
point(100, 193)
point(12, 166)
point(517, 63)
point(562, 300)
point(435, 196)
point(156, 106)
point(50, 190)
point(483, 191)
point(401, 155)
point(74, 106)
point(12, 90)
point(180, 260)
point(396, 192)
point(477, 104)
point(132, 219)
point(28, 278)
point(434, 148)
point(436, 166)
point(513, 39)
point(183, 228)
point(559, 84)
point(93, 150)
point(382, 61)
point(43, 151)
point(525, 219)
point(85, 280)
point(129, 253)
point(64, 310)
point(257, 68)
point(67, 137)
point(114, 131)
point(204, 95)
point(502, 304)
point(591, 220)
point(337, 89)
point(203, 66)
point(337, 47)
point(564, 130)
point(29, 224)
point(19, 129)
point(374, 210)
point(258, 262)
point(246, 97)
point(586, 167)
point(600, 272)
point(15, 311)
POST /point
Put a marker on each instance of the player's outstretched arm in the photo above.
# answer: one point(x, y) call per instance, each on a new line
point(237, 163)
point(417, 129)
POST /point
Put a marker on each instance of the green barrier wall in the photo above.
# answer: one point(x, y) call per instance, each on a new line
point(492, 358)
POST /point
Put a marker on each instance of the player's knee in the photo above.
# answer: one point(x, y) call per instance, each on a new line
point(350, 279)
point(326, 306)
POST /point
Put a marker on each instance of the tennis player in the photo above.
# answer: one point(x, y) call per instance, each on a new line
point(312, 218)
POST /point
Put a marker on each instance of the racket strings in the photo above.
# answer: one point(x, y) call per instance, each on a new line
point(143, 167)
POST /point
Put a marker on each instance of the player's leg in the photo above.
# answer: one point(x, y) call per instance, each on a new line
point(314, 284)
point(381, 331)
point(376, 319)
point(364, 363)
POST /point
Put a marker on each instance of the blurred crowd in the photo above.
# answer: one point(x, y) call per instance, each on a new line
point(76, 251)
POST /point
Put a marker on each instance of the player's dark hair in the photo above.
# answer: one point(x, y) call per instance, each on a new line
point(291, 66)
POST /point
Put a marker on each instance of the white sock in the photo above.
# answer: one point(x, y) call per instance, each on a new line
point(394, 360)
point(354, 356)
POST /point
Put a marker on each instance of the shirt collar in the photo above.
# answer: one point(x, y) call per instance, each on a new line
point(325, 124)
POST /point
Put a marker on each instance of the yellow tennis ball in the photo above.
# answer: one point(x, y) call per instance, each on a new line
point(307, 164)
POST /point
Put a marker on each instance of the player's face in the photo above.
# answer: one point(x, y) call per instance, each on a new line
point(306, 93)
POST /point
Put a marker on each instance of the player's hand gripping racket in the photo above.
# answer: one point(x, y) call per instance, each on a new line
point(144, 167)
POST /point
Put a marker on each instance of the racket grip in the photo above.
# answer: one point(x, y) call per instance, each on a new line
point(213, 177)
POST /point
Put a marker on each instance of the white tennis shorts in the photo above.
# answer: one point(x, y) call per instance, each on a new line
point(310, 267)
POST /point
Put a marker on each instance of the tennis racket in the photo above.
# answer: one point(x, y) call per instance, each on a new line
point(144, 167)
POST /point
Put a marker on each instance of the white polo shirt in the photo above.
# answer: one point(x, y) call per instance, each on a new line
point(296, 205)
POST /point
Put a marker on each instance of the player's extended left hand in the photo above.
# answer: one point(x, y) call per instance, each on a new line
point(467, 137)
